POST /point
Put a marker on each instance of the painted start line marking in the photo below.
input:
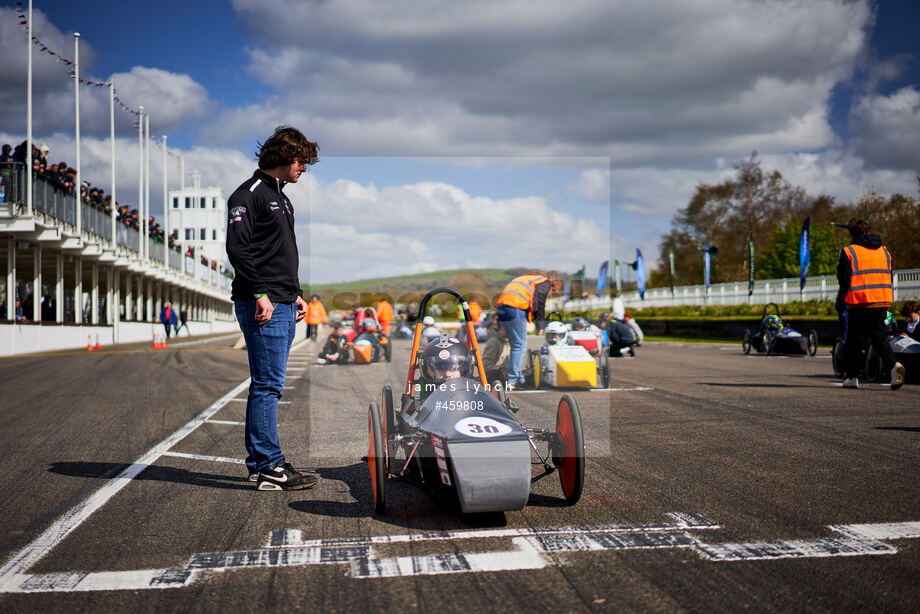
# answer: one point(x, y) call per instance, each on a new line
point(558, 390)
point(12, 573)
point(532, 549)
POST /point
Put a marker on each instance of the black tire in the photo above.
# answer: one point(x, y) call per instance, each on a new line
point(604, 370)
point(837, 357)
point(768, 341)
point(342, 351)
point(388, 350)
point(570, 458)
point(746, 342)
point(537, 371)
point(391, 423)
point(376, 458)
point(873, 368)
point(812, 342)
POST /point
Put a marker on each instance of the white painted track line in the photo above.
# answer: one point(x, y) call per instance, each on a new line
point(63, 526)
point(216, 459)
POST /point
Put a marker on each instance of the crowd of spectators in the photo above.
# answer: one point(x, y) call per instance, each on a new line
point(64, 178)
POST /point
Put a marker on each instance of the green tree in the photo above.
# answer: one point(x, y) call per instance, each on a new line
point(781, 258)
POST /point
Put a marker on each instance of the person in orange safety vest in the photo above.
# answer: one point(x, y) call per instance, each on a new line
point(316, 315)
point(384, 315)
point(523, 300)
point(864, 273)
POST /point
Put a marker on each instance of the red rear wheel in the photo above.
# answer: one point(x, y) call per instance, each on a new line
point(376, 457)
point(571, 456)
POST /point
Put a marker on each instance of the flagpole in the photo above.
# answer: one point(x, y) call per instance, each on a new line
point(29, 117)
point(112, 140)
point(165, 206)
point(147, 187)
point(140, 178)
point(76, 88)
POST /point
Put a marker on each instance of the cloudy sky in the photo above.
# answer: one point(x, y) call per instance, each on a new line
point(501, 134)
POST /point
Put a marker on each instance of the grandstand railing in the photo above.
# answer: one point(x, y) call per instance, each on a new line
point(906, 285)
point(56, 203)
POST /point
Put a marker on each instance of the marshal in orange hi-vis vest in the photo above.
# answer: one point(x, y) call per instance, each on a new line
point(519, 292)
point(870, 280)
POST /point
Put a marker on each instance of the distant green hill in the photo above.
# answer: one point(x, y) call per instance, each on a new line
point(366, 291)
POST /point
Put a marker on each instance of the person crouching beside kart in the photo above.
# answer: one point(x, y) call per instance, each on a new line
point(336, 347)
point(911, 313)
point(622, 340)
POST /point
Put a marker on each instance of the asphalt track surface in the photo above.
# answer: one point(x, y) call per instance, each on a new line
point(713, 481)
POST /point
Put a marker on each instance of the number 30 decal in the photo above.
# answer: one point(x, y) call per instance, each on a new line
point(478, 426)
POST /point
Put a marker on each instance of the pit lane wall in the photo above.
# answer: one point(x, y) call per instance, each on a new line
point(29, 337)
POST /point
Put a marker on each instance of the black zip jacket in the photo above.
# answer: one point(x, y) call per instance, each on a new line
point(845, 270)
point(261, 244)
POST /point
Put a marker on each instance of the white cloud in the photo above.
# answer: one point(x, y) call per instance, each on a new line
point(887, 129)
point(363, 231)
point(593, 185)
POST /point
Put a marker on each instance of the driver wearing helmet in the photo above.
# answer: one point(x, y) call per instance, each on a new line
point(443, 359)
point(430, 332)
point(555, 333)
point(773, 322)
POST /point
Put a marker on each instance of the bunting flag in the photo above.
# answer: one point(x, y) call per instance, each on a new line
point(706, 265)
point(617, 276)
point(671, 269)
point(580, 274)
point(565, 289)
point(43, 48)
point(804, 253)
point(602, 278)
point(751, 256)
point(640, 274)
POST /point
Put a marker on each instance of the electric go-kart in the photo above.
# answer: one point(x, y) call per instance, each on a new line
point(775, 337)
point(368, 345)
point(458, 436)
point(569, 359)
point(906, 352)
point(371, 344)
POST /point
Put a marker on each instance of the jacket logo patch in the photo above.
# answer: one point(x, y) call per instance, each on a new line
point(274, 206)
point(236, 214)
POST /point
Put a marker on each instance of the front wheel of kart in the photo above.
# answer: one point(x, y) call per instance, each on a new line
point(388, 351)
point(376, 458)
point(746, 342)
point(570, 457)
point(837, 357)
point(604, 370)
point(768, 341)
point(390, 423)
point(537, 371)
point(812, 342)
point(500, 392)
point(873, 366)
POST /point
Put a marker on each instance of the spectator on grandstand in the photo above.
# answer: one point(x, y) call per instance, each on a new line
point(6, 172)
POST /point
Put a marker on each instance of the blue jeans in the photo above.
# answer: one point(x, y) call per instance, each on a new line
point(268, 347)
point(514, 321)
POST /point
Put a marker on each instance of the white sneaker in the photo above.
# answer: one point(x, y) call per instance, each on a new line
point(897, 376)
point(851, 382)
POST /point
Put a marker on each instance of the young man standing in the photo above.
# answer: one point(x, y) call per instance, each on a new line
point(267, 297)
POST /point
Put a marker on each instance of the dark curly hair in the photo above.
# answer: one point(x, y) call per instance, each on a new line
point(284, 146)
point(858, 227)
point(910, 307)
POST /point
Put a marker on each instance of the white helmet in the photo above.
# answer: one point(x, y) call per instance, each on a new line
point(428, 321)
point(555, 333)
